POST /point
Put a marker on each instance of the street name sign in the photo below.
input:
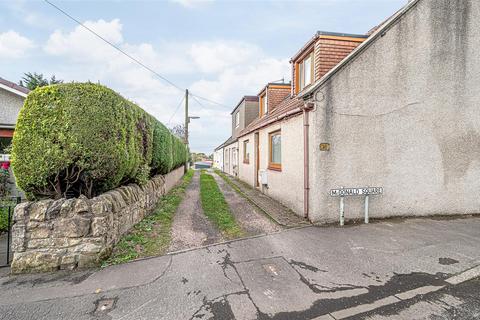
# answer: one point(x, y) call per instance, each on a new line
point(349, 192)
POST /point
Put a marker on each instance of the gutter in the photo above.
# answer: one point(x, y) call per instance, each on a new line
point(377, 34)
point(308, 106)
point(277, 118)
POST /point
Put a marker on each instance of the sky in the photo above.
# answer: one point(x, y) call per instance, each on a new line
point(219, 50)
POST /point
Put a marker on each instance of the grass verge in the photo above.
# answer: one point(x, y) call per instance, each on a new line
point(216, 208)
point(151, 236)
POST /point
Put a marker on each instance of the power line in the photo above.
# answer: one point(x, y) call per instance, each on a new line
point(114, 46)
point(195, 98)
point(176, 110)
point(128, 55)
point(208, 100)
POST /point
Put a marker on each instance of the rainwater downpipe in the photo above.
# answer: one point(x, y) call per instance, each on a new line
point(308, 106)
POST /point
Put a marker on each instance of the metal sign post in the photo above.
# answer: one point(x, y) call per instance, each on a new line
point(351, 192)
point(366, 209)
point(342, 211)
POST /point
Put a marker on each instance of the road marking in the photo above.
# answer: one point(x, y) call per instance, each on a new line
point(350, 312)
point(465, 276)
point(419, 291)
point(325, 317)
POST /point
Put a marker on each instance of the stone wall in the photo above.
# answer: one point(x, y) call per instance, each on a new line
point(75, 233)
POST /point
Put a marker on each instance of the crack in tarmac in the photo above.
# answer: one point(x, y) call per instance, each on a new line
point(397, 283)
point(220, 312)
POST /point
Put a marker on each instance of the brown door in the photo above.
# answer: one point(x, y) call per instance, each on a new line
point(257, 158)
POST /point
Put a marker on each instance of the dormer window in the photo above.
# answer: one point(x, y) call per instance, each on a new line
point(237, 119)
point(305, 72)
point(263, 104)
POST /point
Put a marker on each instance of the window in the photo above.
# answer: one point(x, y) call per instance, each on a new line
point(246, 152)
point(305, 72)
point(263, 105)
point(237, 119)
point(275, 148)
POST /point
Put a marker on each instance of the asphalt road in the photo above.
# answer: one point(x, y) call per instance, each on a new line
point(415, 269)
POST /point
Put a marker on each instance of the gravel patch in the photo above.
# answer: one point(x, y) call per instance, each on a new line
point(191, 228)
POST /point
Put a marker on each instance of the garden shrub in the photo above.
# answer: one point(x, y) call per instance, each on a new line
point(162, 158)
point(83, 138)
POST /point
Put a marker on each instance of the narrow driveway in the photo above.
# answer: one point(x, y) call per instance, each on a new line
point(413, 269)
point(251, 219)
point(191, 228)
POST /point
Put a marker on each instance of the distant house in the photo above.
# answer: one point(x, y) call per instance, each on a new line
point(218, 158)
point(226, 155)
point(12, 97)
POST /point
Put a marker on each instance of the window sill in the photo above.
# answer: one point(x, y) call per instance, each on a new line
point(275, 168)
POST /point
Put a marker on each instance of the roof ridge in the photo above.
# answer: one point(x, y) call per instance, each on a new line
point(14, 86)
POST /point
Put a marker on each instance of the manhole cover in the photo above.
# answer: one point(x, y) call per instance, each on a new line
point(105, 305)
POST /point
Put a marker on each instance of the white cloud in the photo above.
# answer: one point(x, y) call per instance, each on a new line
point(219, 70)
point(86, 57)
point(212, 57)
point(238, 69)
point(13, 45)
point(234, 69)
point(82, 44)
point(191, 3)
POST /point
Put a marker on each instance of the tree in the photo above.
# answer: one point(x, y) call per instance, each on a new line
point(179, 131)
point(35, 80)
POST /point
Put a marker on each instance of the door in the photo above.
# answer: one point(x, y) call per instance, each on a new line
point(257, 158)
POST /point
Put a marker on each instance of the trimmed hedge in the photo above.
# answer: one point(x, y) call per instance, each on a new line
point(83, 138)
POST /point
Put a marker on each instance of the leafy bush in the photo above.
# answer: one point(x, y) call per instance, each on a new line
point(83, 138)
point(162, 158)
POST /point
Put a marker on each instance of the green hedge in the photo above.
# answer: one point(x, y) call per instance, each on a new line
point(83, 138)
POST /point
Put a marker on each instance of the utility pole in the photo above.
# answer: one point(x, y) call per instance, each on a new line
point(187, 119)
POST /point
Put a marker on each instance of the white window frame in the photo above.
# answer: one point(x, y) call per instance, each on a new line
point(302, 75)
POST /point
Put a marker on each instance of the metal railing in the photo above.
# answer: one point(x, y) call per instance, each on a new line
point(7, 206)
